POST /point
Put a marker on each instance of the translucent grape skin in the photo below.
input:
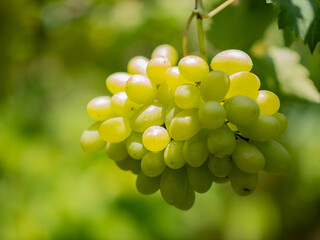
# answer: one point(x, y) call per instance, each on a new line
point(171, 111)
point(122, 106)
point(187, 96)
point(152, 164)
point(157, 68)
point(173, 155)
point(147, 185)
point(116, 82)
point(268, 102)
point(231, 61)
point(99, 108)
point(117, 151)
point(241, 110)
point(165, 93)
point(193, 68)
point(188, 200)
point(215, 86)
point(220, 180)
point(243, 183)
point(220, 167)
point(212, 115)
point(135, 146)
point(138, 65)
point(174, 79)
point(282, 119)
point(155, 138)
point(90, 140)
point(115, 129)
point(247, 157)
point(166, 50)
point(199, 178)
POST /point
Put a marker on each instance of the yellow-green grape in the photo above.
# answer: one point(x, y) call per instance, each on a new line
point(265, 128)
point(174, 78)
point(157, 68)
point(147, 185)
point(187, 96)
point(140, 90)
point(185, 125)
point(135, 146)
point(116, 82)
point(165, 93)
point(149, 115)
point(282, 119)
point(117, 151)
point(122, 105)
point(244, 84)
point(231, 61)
point(200, 178)
point(278, 160)
point(138, 65)
point(221, 142)
point(129, 164)
point(220, 180)
point(90, 140)
point(188, 200)
point(173, 155)
point(243, 183)
point(241, 110)
point(99, 108)
point(220, 167)
point(115, 129)
point(174, 186)
point(195, 151)
point(193, 68)
point(171, 112)
point(247, 157)
point(268, 102)
point(155, 138)
point(166, 50)
point(212, 115)
point(215, 86)
point(152, 164)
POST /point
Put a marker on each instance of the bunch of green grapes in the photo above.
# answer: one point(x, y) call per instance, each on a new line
point(180, 128)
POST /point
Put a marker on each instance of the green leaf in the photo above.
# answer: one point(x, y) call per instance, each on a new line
point(302, 17)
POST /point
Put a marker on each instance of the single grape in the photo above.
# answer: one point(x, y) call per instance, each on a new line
point(140, 90)
point(173, 155)
point(115, 129)
point(171, 112)
point(155, 138)
point(241, 110)
point(187, 97)
point(165, 93)
point(166, 50)
point(211, 115)
point(147, 185)
point(268, 102)
point(152, 164)
point(188, 200)
point(231, 61)
point(135, 146)
point(116, 82)
point(117, 151)
point(243, 183)
point(157, 68)
point(90, 140)
point(138, 65)
point(174, 79)
point(193, 68)
point(220, 167)
point(122, 105)
point(220, 180)
point(129, 164)
point(282, 119)
point(199, 178)
point(99, 108)
point(215, 86)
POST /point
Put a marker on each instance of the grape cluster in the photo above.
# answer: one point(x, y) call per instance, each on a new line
point(180, 128)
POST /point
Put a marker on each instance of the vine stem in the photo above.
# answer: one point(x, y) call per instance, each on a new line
point(218, 9)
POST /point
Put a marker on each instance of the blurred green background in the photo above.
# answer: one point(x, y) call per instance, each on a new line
point(55, 57)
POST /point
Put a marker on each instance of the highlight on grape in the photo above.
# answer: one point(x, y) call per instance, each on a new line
point(179, 126)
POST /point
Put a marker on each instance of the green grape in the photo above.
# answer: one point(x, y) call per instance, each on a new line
point(171, 112)
point(220, 167)
point(115, 129)
point(166, 50)
point(263, 129)
point(140, 90)
point(124, 165)
point(268, 102)
point(278, 160)
point(200, 178)
point(193, 68)
point(244, 84)
point(90, 140)
point(99, 108)
point(173, 155)
point(165, 93)
point(138, 65)
point(174, 78)
point(241, 110)
point(212, 115)
point(221, 142)
point(135, 146)
point(129, 164)
point(220, 180)
point(185, 125)
point(195, 151)
point(152, 164)
point(174, 186)
point(117, 151)
point(147, 185)
point(247, 157)
point(157, 68)
point(282, 119)
point(147, 116)
point(231, 61)
point(188, 200)
point(215, 86)
point(187, 97)
point(155, 138)
point(243, 183)
point(122, 105)
point(135, 166)
point(116, 82)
